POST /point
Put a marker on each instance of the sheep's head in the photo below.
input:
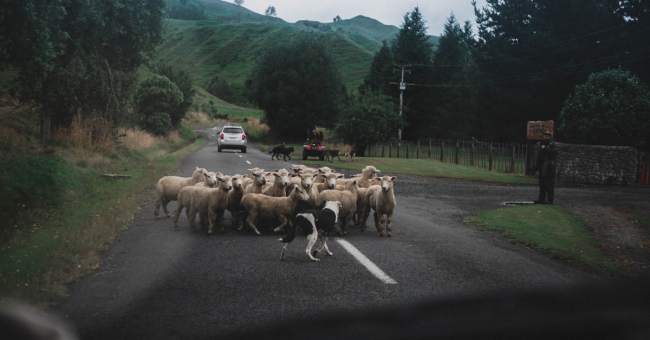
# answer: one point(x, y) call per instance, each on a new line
point(281, 177)
point(225, 183)
point(307, 180)
point(301, 194)
point(330, 180)
point(259, 176)
point(351, 185)
point(237, 181)
point(387, 183)
point(210, 179)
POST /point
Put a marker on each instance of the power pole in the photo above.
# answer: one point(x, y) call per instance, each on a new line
point(402, 87)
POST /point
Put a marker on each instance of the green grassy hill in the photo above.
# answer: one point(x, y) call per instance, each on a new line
point(229, 49)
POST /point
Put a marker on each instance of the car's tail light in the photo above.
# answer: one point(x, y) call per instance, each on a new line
point(222, 136)
point(320, 148)
point(308, 147)
point(243, 136)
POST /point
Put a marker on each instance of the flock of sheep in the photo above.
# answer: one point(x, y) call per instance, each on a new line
point(269, 198)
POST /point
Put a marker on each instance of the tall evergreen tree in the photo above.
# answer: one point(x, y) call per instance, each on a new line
point(456, 78)
point(381, 71)
point(413, 47)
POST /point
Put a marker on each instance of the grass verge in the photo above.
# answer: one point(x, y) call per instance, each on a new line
point(427, 167)
point(550, 229)
point(55, 244)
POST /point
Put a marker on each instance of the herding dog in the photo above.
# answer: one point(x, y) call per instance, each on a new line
point(276, 151)
point(314, 223)
point(330, 154)
point(349, 155)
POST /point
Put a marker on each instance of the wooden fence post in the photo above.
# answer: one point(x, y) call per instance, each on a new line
point(528, 161)
point(382, 150)
point(512, 163)
point(442, 151)
point(399, 146)
point(390, 150)
point(429, 147)
point(471, 155)
point(490, 156)
point(417, 151)
point(457, 149)
point(408, 146)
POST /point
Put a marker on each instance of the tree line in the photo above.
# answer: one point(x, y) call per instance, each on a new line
point(531, 60)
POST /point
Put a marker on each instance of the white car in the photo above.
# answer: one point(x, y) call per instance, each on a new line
point(233, 136)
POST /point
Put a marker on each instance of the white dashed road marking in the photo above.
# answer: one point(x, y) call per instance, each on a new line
point(366, 262)
point(239, 155)
point(248, 162)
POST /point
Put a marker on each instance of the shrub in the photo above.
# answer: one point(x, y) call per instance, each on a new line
point(155, 99)
point(219, 87)
point(611, 108)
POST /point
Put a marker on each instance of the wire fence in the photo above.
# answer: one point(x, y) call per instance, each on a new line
point(502, 157)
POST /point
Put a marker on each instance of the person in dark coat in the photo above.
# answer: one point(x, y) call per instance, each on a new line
point(546, 165)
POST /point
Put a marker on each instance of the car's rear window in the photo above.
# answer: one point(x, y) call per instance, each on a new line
point(232, 130)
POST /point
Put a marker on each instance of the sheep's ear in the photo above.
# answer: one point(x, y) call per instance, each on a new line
point(340, 176)
point(322, 175)
point(244, 176)
point(333, 170)
point(377, 170)
point(251, 170)
point(276, 174)
point(355, 182)
point(393, 178)
point(314, 176)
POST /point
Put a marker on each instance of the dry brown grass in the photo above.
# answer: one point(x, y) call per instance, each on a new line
point(88, 132)
point(136, 139)
point(197, 118)
point(9, 139)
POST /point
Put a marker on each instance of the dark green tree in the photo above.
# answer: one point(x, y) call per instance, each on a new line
point(413, 47)
point(533, 54)
point(298, 85)
point(367, 120)
point(456, 78)
point(185, 84)
point(381, 72)
point(78, 56)
point(156, 99)
point(219, 87)
point(186, 10)
point(611, 108)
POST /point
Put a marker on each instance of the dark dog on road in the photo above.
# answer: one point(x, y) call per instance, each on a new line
point(281, 149)
point(330, 154)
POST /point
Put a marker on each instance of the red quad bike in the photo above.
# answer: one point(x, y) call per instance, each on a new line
point(313, 149)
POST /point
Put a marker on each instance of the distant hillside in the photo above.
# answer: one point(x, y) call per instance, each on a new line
point(229, 49)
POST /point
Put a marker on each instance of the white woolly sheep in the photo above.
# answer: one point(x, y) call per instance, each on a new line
point(210, 180)
point(348, 199)
point(381, 199)
point(234, 199)
point(266, 207)
point(209, 203)
point(276, 188)
point(168, 187)
point(254, 185)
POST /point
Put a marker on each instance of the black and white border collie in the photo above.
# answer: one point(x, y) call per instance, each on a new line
point(314, 223)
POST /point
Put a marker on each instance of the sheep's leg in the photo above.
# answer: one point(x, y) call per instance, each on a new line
point(283, 222)
point(389, 220)
point(249, 222)
point(364, 219)
point(204, 220)
point(220, 217)
point(337, 228)
point(156, 207)
point(192, 216)
point(177, 213)
point(165, 201)
point(379, 223)
point(241, 214)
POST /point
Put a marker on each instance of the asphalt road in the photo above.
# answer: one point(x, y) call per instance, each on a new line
point(155, 282)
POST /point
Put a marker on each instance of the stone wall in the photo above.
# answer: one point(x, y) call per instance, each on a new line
point(595, 164)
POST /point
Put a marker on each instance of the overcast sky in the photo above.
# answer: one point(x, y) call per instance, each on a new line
point(388, 12)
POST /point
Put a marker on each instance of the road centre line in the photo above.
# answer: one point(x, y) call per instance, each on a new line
point(366, 262)
point(249, 162)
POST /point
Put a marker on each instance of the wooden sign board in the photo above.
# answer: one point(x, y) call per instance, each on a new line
point(536, 129)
